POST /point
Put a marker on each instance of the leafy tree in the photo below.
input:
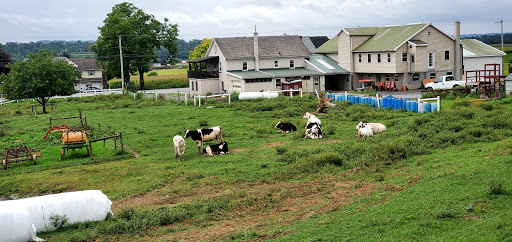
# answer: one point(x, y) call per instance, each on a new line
point(40, 77)
point(66, 54)
point(140, 34)
point(200, 50)
point(5, 59)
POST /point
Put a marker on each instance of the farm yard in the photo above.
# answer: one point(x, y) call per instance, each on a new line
point(435, 176)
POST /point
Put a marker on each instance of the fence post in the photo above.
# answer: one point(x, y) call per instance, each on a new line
point(229, 100)
point(378, 102)
point(199, 100)
point(291, 92)
point(438, 103)
point(186, 99)
point(300, 92)
point(195, 104)
point(133, 96)
point(156, 96)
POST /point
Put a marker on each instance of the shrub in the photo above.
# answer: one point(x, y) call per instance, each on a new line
point(203, 123)
point(59, 221)
point(496, 188)
point(153, 73)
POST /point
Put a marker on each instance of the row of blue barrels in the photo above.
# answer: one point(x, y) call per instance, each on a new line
point(388, 102)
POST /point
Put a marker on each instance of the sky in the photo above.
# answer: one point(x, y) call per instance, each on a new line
point(35, 20)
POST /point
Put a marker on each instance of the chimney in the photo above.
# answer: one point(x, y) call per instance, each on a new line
point(458, 56)
point(256, 50)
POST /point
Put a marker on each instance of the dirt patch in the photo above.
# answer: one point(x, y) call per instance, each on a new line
point(132, 151)
point(331, 141)
point(274, 144)
point(471, 217)
point(237, 150)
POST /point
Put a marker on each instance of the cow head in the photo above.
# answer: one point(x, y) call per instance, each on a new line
point(306, 116)
point(278, 125)
point(187, 133)
point(360, 125)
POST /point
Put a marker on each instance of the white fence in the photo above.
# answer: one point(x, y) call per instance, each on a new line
point(177, 96)
point(93, 93)
point(197, 98)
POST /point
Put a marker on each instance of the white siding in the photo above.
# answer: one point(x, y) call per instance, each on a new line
point(478, 63)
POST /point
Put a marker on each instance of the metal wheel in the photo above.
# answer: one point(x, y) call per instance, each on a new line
point(430, 89)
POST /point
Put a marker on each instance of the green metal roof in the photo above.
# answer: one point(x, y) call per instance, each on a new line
point(509, 77)
point(251, 74)
point(326, 65)
point(362, 31)
point(473, 47)
point(284, 72)
point(331, 46)
point(387, 38)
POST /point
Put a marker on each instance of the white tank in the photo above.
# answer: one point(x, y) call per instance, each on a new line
point(254, 95)
point(15, 222)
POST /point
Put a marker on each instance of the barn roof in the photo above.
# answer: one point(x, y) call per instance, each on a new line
point(269, 46)
point(474, 48)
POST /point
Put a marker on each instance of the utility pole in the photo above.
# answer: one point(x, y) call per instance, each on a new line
point(121, 58)
point(502, 49)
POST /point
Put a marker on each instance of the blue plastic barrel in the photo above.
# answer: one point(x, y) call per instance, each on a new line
point(414, 106)
point(408, 106)
point(358, 100)
point(433, 107)
point(381, 102)
point(427, 107)
point(395, 104)
point(385, 103)
point(372, 102)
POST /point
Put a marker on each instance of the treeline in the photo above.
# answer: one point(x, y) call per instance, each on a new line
point(18, 51)
point(493, 39)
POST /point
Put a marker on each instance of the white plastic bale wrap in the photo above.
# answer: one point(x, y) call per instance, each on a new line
point(15, 224)
point(254, 95)
point(18, 216)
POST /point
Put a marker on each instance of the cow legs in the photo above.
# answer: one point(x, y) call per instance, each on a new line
point(199, 143)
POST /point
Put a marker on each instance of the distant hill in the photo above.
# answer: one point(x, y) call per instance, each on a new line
point(490, 39)
point(81, 49)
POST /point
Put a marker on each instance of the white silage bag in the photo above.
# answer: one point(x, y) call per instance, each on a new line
point(80, 206)
point(15, 222)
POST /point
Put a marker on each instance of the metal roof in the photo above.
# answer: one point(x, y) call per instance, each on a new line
point(387, 38)
point(326, 65)
point(205, 59)
point(474, 48)
point(251, 74)
point(331, 46)
point(284, 72)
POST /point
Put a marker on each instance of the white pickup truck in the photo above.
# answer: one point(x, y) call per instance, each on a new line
point(446, 82)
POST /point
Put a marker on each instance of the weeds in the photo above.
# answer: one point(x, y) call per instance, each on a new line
point(496, 188)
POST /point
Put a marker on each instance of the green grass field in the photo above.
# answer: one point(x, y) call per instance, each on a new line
point(164, 78)
point(412, 182)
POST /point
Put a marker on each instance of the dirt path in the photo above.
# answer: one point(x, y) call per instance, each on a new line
point(132, 151)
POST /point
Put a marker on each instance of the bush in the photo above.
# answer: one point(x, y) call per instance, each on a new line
point(496, 188)
point(153, 73)
point(203, 123)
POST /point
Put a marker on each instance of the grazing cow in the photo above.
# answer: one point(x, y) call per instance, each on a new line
point(285, 127)
point(313, 131)
point(179, 146)
point(312, 118)
point(218, 149)
point(376, 127)
point(202, 135)
point(364, 131)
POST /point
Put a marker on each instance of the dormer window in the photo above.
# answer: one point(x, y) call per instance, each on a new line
point(244, 66)
point(91, 72)
point(292, 64)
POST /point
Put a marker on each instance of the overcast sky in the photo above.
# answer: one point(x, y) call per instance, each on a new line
point(34, 20)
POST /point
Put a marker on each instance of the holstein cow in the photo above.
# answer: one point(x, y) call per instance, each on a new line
point(203, 135)
point(285, 127)
point(376, 127)
point(313, 131)
point(218, 149)
point(312, 118)
point(179, 146)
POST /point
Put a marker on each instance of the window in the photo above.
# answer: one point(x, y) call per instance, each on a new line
point(428, 33)
point(431, 60)
point(306, 78)
point(222, 86)
point(316, 81)
point(276, 64)
point(192, 85)
point(446, 54)
point(91, 72)
point(415, 77)
point(432, 75)
point(369, 58)
point(449, 73)
point(387, 77)
point(292, 63)
point(412, 58)
point(258, 80)
point(278, 83)
point(389, 57)
point(404, 56)
point(360, 58)
point(244, 66)
point(369, 76)
point(378, 57)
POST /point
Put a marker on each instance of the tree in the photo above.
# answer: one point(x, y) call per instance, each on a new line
point(200, 50)
point(40, 77)
point(140, 34)
point(5, 59)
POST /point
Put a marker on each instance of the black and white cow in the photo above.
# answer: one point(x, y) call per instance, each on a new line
point(202, 135)
point(314, 131)
point(218, 149)
point(285, 127)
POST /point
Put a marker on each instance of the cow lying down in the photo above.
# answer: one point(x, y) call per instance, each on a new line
point(313, 131)
point(369, 129)
point(285, 127)
point(218, 149)
point(203, 135)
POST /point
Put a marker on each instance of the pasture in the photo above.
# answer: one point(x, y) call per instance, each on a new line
point(415, 181)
